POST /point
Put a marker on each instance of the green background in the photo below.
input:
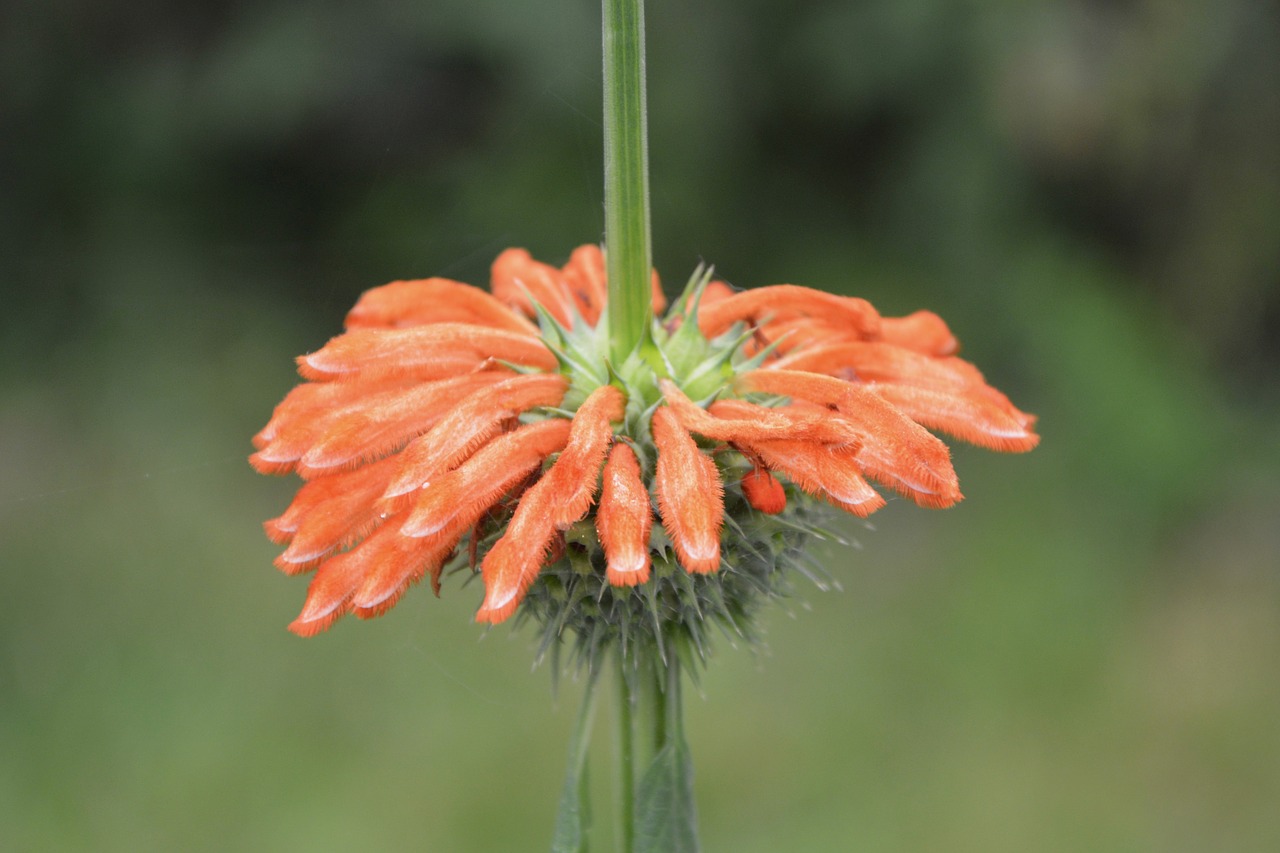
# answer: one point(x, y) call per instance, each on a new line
point(1082, 656)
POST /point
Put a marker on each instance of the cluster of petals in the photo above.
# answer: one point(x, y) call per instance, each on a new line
point(438, 414)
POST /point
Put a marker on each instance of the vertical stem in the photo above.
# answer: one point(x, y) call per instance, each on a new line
point(626, 177)
point(573, 819)
point(626, 789)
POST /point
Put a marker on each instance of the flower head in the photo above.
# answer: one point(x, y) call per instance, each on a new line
point(450, 427)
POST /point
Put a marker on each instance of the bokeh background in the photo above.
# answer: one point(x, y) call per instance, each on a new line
point(1082, 656)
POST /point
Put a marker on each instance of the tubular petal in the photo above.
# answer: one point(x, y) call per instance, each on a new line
point(585, 276)
point(751, 422)
point(363, 352)
point(387, 581)
point(969, 416)
point(831, 474)
point(659, 298)
point(787, 300)
point(877, 361)
point(311, 399)
point(383, 423)
point(763, 491)
point(329, 512)
point(296, 431)
point(896, 451)
point(690, 494)
point(624, 519)
point(338, 578)
point(515, 559)
point(574, 477)
point(560, 498)
point(457, 499)
point(469, 424)
point(433, 300)
point(794, 333)
point(923, 331)
point(519, 281)
point(714, 292)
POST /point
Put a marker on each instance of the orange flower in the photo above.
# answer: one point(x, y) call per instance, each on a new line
point(450, 427)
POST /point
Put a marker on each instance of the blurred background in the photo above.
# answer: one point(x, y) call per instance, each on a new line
point(1082, 656)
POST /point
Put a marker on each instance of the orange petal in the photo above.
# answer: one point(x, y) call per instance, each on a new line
point(433, 300)
point(519, 281)
point(387, 581)
point(655, 291)
point(714, 292)
point(750, 422)
point(338, 578)
point(970, 416)
point(821, 471)
point(575, 476)
point(877, 361)
point(382, 423)
point(896, 450)
point(585, 276)
point(309, 411)
point(562, 496)
point(304, 402)
point(690, 494)
point(328, 512)
point(515, 560)
point(373, 352)
point(763, 491)
point(469, 424)
point(457, 499)
point(624, 519)
point(923, 331)
point(785, 301)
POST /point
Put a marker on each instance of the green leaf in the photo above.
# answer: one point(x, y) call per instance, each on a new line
point(666, 819)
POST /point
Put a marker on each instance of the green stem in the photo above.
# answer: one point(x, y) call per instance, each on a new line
point(626, 177)
point(573, 820)
point(626, 791)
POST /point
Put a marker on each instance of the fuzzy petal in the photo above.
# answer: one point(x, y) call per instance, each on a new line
point(338, 578)
point(755, 423)
point(575, 476)
point(374, 352)
point(329, 512)
point(515, 560)
point(972, 417)
point(923, 331)
point(896, 450)
point(584, 275)
point(387, 581)
point(457, 499)
point(433, 300)
point(314, 420)
point(384, 423)
point(655, 291)
point(788, 300)
point(520, 281)
point(831, 474)
point(877, 361)
point(763, 491)
point(690, 494)
point(560, 498)
point(469, 424)
point(309, 401)
point(624, 519)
